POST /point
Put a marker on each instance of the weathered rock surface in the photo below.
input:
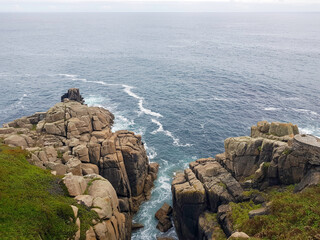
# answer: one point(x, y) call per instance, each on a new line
point(73, 94)
point(209, 228)
point(206, 185)
point(238, 235)
point(274, 154)
point(164, 217)
point(76, 139)
point(258, 212)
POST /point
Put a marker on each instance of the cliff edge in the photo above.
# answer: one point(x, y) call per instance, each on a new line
point(106, 171)
point(205, 196)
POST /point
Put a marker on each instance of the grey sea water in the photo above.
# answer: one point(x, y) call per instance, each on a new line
point(184, 81)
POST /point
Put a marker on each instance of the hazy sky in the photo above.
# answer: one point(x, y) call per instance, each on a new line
point(160, 6)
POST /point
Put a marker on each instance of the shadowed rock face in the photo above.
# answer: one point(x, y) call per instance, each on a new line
point(274, 154)
point(76, 139)
point(206, 185)
point(74, 95)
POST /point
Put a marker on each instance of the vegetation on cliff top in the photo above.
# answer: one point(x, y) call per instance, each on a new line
point(292, 216)
point(33, 203)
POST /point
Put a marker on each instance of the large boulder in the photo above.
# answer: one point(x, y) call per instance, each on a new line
point(189, 201)
point(221, 187)
point(242, 155)
point(76, 185)
point(16, 140)
point(74, 95)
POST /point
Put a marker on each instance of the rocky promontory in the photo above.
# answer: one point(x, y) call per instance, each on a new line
point(106, 171)
point(207, 195)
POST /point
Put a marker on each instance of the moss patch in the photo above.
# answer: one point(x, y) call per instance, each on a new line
point(240, 213)
point(34, 127)
point(33, 203)
point(221, 184)
point(218, 233)
point(287, 151)
point(293, 216)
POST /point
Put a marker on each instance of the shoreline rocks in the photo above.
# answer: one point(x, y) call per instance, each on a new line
point(74, 139)
point(164, 217)
point(274, 154)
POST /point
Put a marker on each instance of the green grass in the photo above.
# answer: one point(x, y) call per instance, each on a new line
point(251, 177)
point(266, 165)
point(252, 192)
point(287, 151)
point(59, 154)
point(240, 213)
point(292, 216)
point(33, 202)
point(34, 127)
point(218, 233)
point(222, 185)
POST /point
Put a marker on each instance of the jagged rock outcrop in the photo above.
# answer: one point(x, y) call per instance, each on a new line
point(72, 94)
point(97, 193)
point(164, 217)
point(72, 138)
point(206, 185)
point(274, 154)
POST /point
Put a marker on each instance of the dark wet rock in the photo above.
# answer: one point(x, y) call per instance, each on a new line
point(164, 211)
point(164, 224)
point(165, 238)
point(74, 95)
point(312, 178)
point(223, 214)
point(136, 226)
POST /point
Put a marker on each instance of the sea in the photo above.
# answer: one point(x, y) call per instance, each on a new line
point(184, 81)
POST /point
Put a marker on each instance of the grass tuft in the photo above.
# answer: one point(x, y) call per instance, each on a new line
point(292, 216)
point(33, 204)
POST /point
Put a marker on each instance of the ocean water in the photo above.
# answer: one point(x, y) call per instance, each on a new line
point(184, 81)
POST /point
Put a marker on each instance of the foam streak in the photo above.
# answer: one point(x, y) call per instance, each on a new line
point(176, 141)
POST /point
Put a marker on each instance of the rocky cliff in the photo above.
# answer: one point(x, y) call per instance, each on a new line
point(274, 155)
point(75, 140)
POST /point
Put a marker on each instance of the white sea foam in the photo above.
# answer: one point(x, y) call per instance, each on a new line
point(127, 89)
point(151, 151)
point(122, 123)
point(76, 78)
point(272, 109)
point(67, 75)
point(176, 141)
point(310, 130)
point(220, 99)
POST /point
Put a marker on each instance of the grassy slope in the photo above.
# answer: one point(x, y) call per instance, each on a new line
point(293, 216)
point(33, 204)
